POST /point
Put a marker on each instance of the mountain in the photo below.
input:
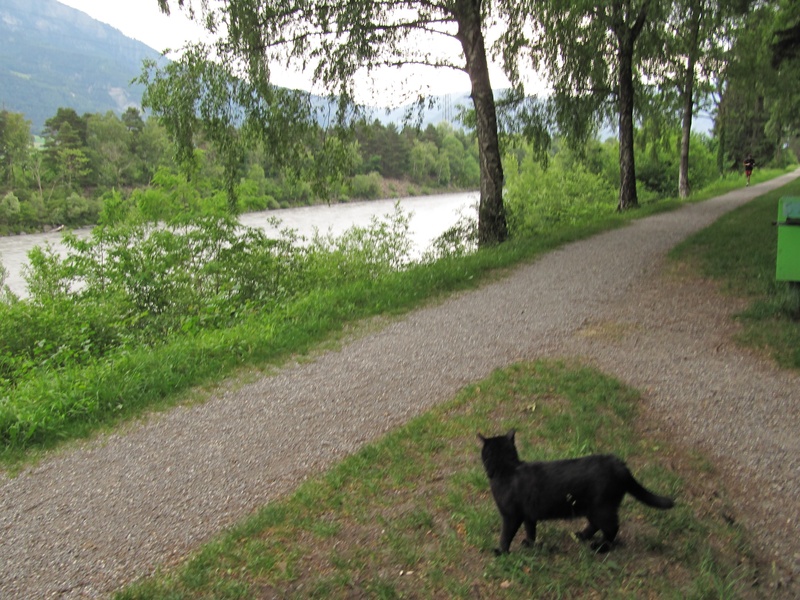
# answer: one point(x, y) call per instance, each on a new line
point(437, 109)
point(54, 56)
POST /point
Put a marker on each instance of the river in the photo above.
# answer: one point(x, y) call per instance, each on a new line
point(430, 216)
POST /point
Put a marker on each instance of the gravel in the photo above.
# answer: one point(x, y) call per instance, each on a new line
point(100, 514)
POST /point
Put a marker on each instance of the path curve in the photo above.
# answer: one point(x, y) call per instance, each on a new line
point(89, 520)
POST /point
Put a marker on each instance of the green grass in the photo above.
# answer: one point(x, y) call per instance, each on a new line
point(63, 404)
point(411, 514)
point(739, 251)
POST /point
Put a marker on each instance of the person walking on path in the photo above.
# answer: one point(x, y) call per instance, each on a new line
point(749, 163)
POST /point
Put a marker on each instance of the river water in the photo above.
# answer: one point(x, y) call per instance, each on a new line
point(430, 216)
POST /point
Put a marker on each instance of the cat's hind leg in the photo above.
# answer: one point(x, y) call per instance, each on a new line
point(530, 531)
point(587, 532)
point(608, 523)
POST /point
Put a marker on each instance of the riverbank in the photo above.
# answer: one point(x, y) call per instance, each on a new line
point(90, 519)
point(435, 213)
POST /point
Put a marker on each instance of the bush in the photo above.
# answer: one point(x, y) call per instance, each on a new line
point(361, 252)
point(459, 240)
point(135, 312)
point(9, 209)
point(368, 187)
point(538, 199)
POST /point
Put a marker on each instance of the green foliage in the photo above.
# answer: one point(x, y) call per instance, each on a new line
point(142, 310)
point(657, 163)
point(459, 240)
point(106, 169)
point(368, 187)
point(755, 93)
point(360, 253)
point(9, 209)
point(198, 295)
point(15, 142)
point(566, 193)
point(5, 293)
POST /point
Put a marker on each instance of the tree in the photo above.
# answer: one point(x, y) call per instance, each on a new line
point(340, 41)
point(109, 149)
point(423, 161)
point(67, 117)
point(592, 51)
point(751, 90)
point(65, 147)
point(785, 60)
point(786, 45)
point(688, 20)
point(132, 119)
point(15, 145)
point(152, 151)
point(695, 38)
point(9, 209)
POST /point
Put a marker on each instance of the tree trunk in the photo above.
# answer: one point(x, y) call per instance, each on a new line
point(627, 167)
point(492, 228)
point(720, 127)
point(688, 105)
point(686, 134)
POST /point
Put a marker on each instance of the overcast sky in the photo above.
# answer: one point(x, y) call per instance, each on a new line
point(143, 21)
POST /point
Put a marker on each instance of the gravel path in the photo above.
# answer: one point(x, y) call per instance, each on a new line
point(88, 520)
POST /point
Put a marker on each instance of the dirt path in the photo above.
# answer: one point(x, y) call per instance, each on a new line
point(89, 520)
point(672, 340)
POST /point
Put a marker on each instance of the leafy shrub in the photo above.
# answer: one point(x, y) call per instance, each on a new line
point(459, 240)
point(6, 295)
point(368, 187)
point(538, 199)
point(361, 252)
point(9, 208)
point(86, 343)
point(115, 209)
point(657, 165)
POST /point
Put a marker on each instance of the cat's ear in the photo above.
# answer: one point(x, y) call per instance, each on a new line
point(481, 438)
point(511, 433)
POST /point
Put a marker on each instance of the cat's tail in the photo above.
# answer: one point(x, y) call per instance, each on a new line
point(642, 494)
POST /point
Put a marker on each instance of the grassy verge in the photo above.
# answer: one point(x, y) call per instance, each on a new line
point(61, 404)
point(411, 515)
point(739, 251)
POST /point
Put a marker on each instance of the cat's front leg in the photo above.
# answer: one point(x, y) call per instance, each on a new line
point(510, 527)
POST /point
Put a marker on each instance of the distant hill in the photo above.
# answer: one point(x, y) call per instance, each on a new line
point(54, 56)
point(437, 109)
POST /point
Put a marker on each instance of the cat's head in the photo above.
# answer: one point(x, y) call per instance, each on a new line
point(499, 454)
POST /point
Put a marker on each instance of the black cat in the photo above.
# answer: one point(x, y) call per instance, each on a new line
point(591, 487)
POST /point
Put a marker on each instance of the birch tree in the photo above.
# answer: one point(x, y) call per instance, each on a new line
point(338, 43)
point(696, 35)
point(592, 52)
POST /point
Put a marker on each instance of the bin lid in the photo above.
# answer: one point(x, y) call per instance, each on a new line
point(789, 209)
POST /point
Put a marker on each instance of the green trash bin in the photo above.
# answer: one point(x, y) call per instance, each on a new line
point(788, 263)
